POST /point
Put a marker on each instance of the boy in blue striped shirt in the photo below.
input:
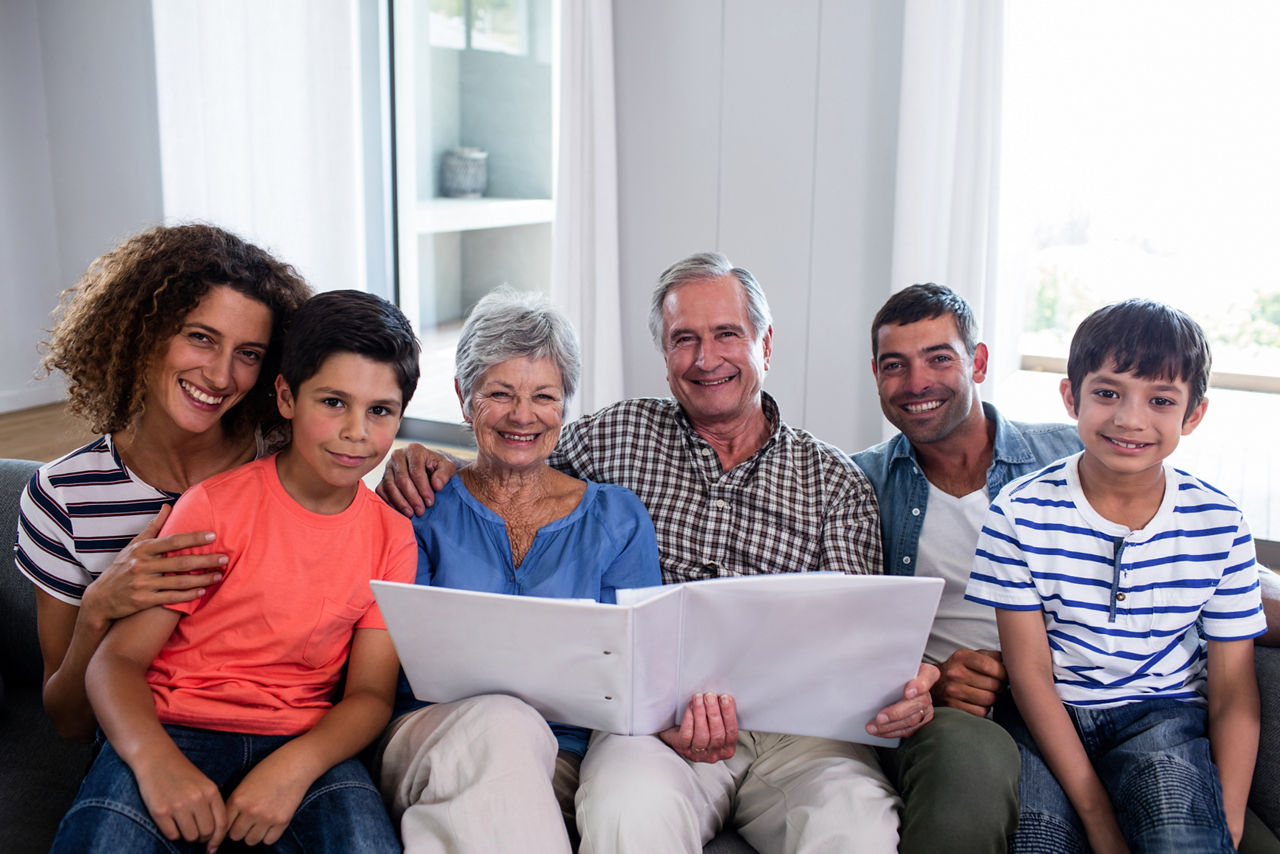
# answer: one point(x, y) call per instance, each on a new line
point(1127, 599)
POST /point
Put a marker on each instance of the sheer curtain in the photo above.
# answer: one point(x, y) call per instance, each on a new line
point(584, 260)
point(260, 122)
point(945, 215)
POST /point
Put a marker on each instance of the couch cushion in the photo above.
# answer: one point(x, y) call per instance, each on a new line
point(39, 773)
point(1264, 797)
point(19, 648)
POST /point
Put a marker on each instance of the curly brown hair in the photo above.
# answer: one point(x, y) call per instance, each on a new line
point(133, 299)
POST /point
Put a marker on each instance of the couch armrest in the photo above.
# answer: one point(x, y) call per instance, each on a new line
point(20, 662)
point(1264, 798)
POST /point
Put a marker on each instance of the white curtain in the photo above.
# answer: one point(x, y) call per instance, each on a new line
point(260, 127)
point(584, 261)
point(945, 216)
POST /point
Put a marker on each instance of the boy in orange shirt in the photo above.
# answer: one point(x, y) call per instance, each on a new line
point(219, 712)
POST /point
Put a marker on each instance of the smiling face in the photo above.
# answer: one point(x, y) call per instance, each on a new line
point(1129, 424)
point(517, 410)
point(210, 363)
point(928, 383)
point(344, 418)
point(716, 364)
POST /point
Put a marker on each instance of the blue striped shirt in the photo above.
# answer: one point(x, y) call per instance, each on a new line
point(76, 513)
point(1121, 608)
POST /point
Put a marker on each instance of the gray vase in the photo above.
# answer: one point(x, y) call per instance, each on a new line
point(464, 172)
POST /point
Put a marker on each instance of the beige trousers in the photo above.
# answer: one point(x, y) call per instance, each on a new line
point(783, 793)
point(474, 776)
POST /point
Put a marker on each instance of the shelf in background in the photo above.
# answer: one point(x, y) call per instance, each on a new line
point(436, 216)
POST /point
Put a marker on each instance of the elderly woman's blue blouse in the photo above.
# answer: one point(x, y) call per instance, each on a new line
point(607, 542)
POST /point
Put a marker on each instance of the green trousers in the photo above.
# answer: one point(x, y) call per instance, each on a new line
point(958, 778)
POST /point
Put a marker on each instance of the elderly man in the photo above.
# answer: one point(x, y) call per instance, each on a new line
point(732, 490)
point(958, 776)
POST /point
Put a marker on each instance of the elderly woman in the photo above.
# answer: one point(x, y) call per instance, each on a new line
point(486, 773)
point(169, 344)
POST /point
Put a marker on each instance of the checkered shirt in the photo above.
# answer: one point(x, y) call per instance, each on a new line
point(797, 505)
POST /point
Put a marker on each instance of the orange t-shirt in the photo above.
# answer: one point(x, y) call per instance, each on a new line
point(262, 650)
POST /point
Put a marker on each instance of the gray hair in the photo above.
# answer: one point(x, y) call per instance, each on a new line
point(709, 265)
point(510, 324)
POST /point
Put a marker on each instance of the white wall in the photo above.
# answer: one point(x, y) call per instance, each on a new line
point(767, 131)
point(79, 161)
point(80, 144)
point(29, 275)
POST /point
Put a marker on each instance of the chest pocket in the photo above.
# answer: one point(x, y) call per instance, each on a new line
point(331, 634)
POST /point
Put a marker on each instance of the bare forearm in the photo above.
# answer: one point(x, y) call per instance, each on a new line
point(1233, 725)
point(345, 730)
point(1234, 741)
point(121, 698)
point(1060, 746)
point(357, 719)
point(65, 699)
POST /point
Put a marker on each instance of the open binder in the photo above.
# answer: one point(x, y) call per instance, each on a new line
point(805, 653)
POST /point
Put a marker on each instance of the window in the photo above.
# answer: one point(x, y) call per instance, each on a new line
point(1138, 159)
point(495, 25)
point(473, 100)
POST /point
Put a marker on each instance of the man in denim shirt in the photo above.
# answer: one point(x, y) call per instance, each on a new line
point(958, 777)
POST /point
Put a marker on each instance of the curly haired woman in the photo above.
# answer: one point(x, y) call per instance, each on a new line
point(169, 343)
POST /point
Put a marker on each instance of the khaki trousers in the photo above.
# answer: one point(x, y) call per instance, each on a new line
point(783, 793)
point(474, 776)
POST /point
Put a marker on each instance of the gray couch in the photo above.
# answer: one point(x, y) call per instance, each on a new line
point(39, 772)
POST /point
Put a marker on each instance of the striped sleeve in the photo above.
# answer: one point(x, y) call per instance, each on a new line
point(76, 514)
point(45, 550)
point(1234, 612)
point(1000, 576)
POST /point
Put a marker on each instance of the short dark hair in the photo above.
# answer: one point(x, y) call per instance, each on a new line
point(1144, 337)
point(350, 322)
point(925, 302)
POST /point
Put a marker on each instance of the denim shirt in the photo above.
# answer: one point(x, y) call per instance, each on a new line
point(903, 490)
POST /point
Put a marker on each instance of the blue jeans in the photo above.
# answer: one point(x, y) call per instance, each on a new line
point(341, 812)
point(1152, 757)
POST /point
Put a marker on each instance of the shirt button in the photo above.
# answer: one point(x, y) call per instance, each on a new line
point(511, 578)
point(1120, 596)
point(915, 511)
point(706, 451)
point(719, 502)
point(906, 559)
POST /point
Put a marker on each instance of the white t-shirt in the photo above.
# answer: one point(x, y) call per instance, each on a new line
point(947, 540)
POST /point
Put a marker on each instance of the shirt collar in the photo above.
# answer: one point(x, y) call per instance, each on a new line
point(770, 409)
point(1010, 446)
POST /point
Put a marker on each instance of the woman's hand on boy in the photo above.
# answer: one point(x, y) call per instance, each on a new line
point(970, 681)
point(143, 574)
